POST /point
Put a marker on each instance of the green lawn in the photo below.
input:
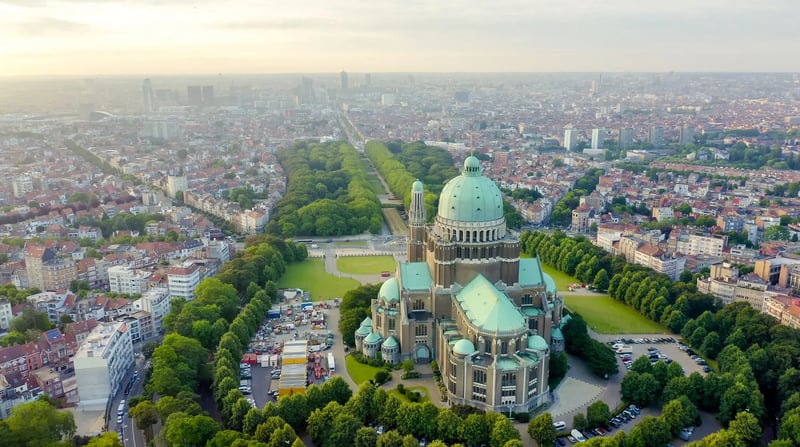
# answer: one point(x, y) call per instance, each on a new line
point(420, 389)
point(350, 243)
point(359, 372)
point(608, 316)
point(366, 265)
point(562, 279)
point(310, 275)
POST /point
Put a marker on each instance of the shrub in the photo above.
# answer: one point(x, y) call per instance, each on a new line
point(401, 388)
point(382, 377)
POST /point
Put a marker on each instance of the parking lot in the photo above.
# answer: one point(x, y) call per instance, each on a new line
point(645, 346)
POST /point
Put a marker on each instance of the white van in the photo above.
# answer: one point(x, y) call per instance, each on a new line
point(560, 425)
point(577, 435)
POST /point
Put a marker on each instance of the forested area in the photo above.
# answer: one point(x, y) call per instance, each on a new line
point(759, 360)
point(399, 178)
point(328, 193)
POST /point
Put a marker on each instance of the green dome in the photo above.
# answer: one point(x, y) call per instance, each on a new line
point(373, 338)
point(463, 347)
point(537, 343)
point(363, 331)
point(390, 290)
point(471, 197)
point(391, 343)
point(557, 334)
point(417, 186)
point(367, 322)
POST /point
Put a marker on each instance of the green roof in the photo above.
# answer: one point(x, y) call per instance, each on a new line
point(364, 331)
point(415, 276)
point(391, 342)
point(507, 364)
point(417, 186)
point(530, 272)
point(463, 347)
point(556, 334)
point(550, 284)
point(390, 290)
point(367, 322)
point(530, 311)
point(488, 308)
point(529, 358)
point(373, 338)
point(537, 343)
point(471, 197)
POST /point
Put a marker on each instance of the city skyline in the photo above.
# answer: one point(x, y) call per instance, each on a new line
point(152, 37)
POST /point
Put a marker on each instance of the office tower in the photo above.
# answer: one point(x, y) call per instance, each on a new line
point(656, 137)
point(208, 95)
point(570, 138)
point(597, 138)
point(687, 135)
point(147, 95)
point(194, 95)
point(625, 137)
point(343, 80)
point(593, 88)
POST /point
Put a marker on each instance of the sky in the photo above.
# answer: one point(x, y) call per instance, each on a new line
point(162, 37)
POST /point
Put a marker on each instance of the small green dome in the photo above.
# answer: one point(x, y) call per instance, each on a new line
point(367, 322)
point(557, 334)
point(373, 338)
point(537, 343)
point(463, 347)
point(391, 343)
point(471, 197)
point(390, 290)
point(417, 186)
point(363, 331)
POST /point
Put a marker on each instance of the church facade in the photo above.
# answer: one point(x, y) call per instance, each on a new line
point(466, 299)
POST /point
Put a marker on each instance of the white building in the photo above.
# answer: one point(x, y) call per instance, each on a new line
point(705, 245)
point(570, 138)
point(123, 279)
point(158, 303)
point(183, 280)
point(22, 185)
point(101, 363)
point(176, 183)
point(598, 136)
point(5, 314)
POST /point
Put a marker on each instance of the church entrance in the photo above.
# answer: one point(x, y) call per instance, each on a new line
point(422, 354)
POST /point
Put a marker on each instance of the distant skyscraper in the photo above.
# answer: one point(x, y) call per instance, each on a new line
point(625, 137)
point(687, 135)
point(597, 138)
point(570, 138)
point(344, 84)
point(147, 95)
point(656, 137)
point(194, 95)
point(208, 95)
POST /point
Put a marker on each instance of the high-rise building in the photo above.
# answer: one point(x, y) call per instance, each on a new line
point(466, 299)
point(208, 95)
point(22, 185)
point(147, 96)
point(625, 137)
point(194, 95)
point(570, 138)
point(343, 82)
point(656, 137)
point(101, 364)
point(687, 135)
point(598, 137)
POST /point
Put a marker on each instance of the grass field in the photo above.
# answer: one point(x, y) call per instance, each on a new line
point(375, 185)
point(311, 275)
point(366, 265)
point(419, 389)
point(605, 315)
point(350, 243)
point(562, 280)
point(359, 372)
point(395, 222)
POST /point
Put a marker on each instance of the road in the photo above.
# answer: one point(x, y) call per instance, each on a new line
point(130, 435)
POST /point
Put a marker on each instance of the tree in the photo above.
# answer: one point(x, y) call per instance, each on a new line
point(146, 415)
point(390, 439)
point(108, 439)
point(185, 430)
point(747, 428)
point(475, 430)
point(601, 280)
point(502, 432)
point(448, 425)
point(344, 429)
point(598, 414)
point(650, 432)
point(678, 414)
point(777, 233)
point(365, 437)
point(39, 423)
point(580, 422)
point(558, 368)
point(541, 430)
point(640, 388)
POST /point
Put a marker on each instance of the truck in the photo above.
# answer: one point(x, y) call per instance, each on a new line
point(624, 350)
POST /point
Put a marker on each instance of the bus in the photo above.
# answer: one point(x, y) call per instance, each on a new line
point(331, 364)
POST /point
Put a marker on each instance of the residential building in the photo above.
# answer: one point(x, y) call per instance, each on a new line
point(598, 138)
point(101, 364)
point(47, 271)
point(176, 183)
point(706, 244)
point(570, 139)
point(656, 136)
point(751, 289)
point(183, 280)
point(22, 185)
point(124, 279)
point(5, 314)
point(467, 300)
point(651, 256)
point(626, 137)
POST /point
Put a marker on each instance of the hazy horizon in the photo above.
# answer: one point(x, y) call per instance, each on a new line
point(56, 38)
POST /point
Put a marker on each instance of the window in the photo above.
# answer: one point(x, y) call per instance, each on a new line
point(479, 377)
point(527, 299)
point(418, 305)
point(503, 347)
point(391, 324)
point(421, 331)
point(487, 345)
point(508, 379)
point(533, 324)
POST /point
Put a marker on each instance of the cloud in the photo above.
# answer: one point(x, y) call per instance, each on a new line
point(47, 26)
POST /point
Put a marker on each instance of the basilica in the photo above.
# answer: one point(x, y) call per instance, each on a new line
point(466, 299)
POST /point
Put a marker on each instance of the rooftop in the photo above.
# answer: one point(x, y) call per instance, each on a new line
point(488, 308)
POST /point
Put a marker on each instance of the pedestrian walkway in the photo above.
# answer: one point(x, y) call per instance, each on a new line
point(574, 394)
